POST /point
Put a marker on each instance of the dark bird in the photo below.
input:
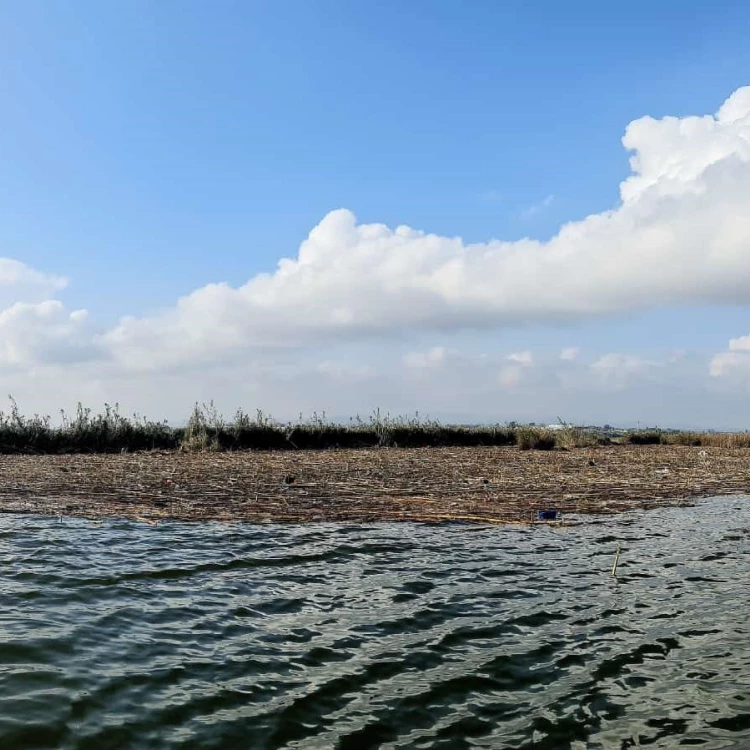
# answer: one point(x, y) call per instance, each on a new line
point(289, 479)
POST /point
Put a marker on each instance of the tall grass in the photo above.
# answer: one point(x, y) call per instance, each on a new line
point(207, 430)
point(710, 439)
point(645, 437)
point(535, 438)
point(689, 438)
point(108, 432)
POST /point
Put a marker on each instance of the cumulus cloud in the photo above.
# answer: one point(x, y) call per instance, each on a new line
point(20, 283)
point(35, 329)
point(734, 362)
point(680, 235)
point(44, 333)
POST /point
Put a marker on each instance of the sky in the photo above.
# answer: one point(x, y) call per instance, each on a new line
point(479, 212)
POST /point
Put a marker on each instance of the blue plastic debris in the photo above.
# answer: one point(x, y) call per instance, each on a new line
point(546, 515)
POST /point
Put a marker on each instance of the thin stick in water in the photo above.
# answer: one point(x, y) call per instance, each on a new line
point(617, 559)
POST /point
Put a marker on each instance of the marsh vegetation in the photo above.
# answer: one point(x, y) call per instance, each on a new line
point(206, 429)
point(482, 484)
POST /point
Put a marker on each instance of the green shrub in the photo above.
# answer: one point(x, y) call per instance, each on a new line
point(645, 437)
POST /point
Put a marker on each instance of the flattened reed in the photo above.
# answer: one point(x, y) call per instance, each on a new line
point(473, 484)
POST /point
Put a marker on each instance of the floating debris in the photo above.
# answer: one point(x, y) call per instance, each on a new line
point(617, 560)
point(432, 485)
point(547, 515)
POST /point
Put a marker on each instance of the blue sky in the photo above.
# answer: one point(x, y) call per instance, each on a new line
point(151, 148)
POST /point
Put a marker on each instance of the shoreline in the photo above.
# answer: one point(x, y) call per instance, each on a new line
point(481, 485)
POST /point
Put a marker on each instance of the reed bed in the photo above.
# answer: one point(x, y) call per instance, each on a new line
point(473, 484)
point(692, 438)
point(207, 430)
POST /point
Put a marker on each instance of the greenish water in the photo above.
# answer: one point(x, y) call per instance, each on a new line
point(121, 635)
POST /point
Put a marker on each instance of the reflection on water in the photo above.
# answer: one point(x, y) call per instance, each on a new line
point(121, 635)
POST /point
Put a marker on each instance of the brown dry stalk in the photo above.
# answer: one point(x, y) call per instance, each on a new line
point(483, 485)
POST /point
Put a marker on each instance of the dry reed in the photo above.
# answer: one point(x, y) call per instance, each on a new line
point(489, 484)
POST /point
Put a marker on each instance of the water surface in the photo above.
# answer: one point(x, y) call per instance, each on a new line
point(121, 635)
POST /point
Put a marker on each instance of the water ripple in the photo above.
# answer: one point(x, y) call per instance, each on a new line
point(118, 635)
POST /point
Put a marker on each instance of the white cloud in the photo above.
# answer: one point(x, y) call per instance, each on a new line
point(511, 376)
point(522, 358)
point(35, 329)
point(43, 333)
point(617, 370)
point(681, 235)
point(434, 357)
point(617, 361)
point(734, 362)
point(19, 283)
point(741, 344)
point(537, 208)
point(465, 387)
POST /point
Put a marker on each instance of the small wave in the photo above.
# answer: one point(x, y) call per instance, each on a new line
point(366, 636)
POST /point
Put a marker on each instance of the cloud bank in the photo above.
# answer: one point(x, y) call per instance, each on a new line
point(734, 363)
point(19, 283)
point(679, 235)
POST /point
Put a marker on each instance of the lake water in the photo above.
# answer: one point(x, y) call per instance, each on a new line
point(122, 635)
